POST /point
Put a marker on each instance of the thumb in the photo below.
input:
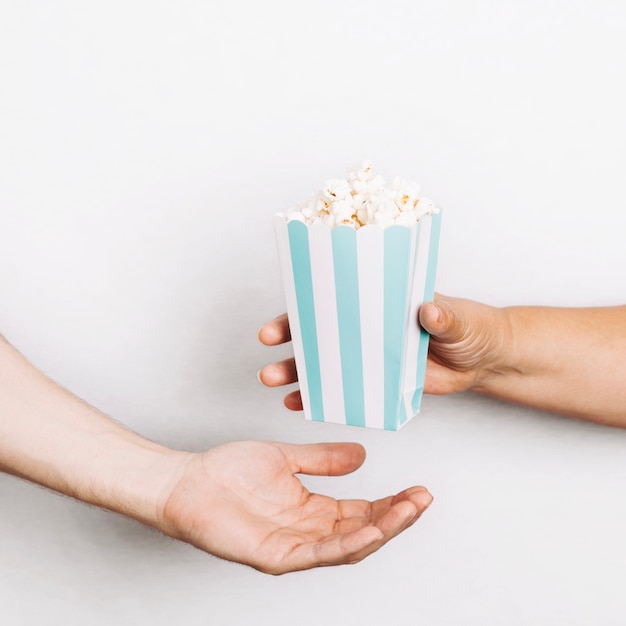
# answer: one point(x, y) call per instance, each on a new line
point(442, 321)
point(323, 459)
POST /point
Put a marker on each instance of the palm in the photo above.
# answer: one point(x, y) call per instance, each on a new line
point(246, 495)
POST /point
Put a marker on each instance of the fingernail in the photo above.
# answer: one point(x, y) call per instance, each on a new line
point(413, 517)
point(258, 376)
point(427, 504)
point(440, 313)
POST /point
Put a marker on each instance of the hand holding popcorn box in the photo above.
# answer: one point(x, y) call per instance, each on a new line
point(358, 260)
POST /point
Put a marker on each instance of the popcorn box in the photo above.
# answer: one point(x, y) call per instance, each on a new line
point(352, 299)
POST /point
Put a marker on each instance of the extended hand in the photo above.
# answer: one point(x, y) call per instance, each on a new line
point(466, 341)
point(243, 502)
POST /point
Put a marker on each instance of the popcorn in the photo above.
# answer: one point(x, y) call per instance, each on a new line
point(362, 199)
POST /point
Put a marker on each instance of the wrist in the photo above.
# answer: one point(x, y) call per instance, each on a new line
point(133, 476)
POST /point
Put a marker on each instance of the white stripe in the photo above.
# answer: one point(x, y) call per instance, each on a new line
point(370, 253)
point(417, 299)
point(326, 321)
point(289, 288)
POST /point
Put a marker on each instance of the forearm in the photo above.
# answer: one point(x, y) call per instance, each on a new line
point(50, 437)
point(569, 361)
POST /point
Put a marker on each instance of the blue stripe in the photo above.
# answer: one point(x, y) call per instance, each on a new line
point(348, 316)
point(429, 294)
point(301, 263)
point(396, 274)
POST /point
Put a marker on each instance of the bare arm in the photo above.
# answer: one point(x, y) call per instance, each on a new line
point(50, 437)
point(569, 361)
point(241, 501)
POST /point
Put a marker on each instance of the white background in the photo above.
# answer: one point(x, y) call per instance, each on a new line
point(145, 145)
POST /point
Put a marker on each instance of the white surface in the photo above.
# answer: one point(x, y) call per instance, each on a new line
point(144, 147)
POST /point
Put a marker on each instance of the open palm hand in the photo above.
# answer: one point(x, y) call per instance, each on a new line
point(243, 502)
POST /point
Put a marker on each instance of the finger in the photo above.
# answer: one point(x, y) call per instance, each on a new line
point(275, 332)
point(323, 459)
point(400, 517)
point(441, 320)
point(373, 511)
point(352, 542)
point(293, 401)
point(437, 379)
point(441, 379)
point(354, 546)
point(348, 547)
point(333, 550)
point(405, 510)
point(389, 513)
point(281, 373)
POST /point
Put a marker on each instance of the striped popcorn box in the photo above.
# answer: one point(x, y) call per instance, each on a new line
point(352, 301)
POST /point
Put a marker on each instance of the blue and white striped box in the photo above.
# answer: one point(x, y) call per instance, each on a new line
point(352, 300)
